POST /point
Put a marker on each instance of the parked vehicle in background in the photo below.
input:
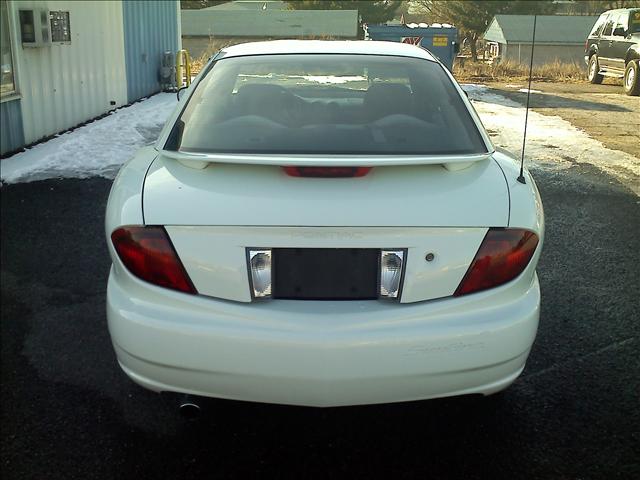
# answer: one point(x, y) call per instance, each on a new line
point(324, 223)
point(613, 48)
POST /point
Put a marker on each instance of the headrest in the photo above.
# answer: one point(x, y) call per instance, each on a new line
point(382, 99)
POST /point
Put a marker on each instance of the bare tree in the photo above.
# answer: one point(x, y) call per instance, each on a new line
point(596, 7)
point(473, 16)
point(370, 11)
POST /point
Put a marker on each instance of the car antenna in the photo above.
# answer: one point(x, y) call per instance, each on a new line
point(526, 115)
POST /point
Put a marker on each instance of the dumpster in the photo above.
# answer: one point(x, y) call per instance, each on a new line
point(439, 39)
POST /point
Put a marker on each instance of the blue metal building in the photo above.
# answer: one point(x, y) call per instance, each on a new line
point(63, 63)
point(150, 28)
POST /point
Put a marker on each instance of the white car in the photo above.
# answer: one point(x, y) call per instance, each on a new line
point(323, 223)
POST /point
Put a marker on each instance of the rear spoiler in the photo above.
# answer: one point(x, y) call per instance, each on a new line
point(202, 160)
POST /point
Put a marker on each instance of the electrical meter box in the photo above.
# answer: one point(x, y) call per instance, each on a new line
point(35, 30)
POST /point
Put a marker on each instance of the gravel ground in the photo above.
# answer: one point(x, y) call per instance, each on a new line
point(69, 412)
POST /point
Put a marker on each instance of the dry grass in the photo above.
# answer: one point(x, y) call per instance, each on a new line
point(469, 71)
point(213, 46)
point(216, 44)
point(197, 64)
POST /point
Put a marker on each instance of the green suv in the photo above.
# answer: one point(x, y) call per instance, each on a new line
point(613, 48)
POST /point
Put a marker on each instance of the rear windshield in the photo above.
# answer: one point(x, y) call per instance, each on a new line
point(326, 104)
point(597, 28)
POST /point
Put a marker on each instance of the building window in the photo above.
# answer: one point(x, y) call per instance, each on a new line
point(60, 29)
point(7, 84)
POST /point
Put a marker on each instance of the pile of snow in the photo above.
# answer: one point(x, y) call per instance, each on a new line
point(96, 149)
point(552, 143)
point(525, 90)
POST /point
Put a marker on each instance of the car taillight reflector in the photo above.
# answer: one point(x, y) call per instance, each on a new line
point(260, 268)
point(391, 266)
point(327, 172)
point(148, 254)
point(502, 256)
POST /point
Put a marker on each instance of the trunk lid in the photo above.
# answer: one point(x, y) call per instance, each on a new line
point(216, 257)
point(215, 214)
point(264, 195)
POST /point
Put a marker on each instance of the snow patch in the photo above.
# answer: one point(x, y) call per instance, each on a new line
point(96, 149)
point(552, 143)
point(473, 87)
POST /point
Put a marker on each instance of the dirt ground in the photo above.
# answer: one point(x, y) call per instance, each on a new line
point(603, 111)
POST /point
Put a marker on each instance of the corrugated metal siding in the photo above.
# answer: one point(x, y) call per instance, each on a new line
point(150, 29)
point(66, 84)
point(544, 54)
point(550, 29)
point(11, 133)
point(270, 23)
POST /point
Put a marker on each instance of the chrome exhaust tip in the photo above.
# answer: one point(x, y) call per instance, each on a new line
point(189, 409)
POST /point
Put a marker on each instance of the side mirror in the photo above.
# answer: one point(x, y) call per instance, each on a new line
point(178, 94)
point(456, 47)
point(619, 32)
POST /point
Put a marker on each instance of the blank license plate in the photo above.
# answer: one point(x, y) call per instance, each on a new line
point(325, 273)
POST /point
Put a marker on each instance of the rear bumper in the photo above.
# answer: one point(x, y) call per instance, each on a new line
point(322, 353)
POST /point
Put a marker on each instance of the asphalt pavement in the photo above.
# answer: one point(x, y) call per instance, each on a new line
point(68, 412)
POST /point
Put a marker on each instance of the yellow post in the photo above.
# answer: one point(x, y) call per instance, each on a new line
point(188, 67)
point(183, 69)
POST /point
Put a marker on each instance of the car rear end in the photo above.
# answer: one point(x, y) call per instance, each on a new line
point(286, 256)
point(591, 43)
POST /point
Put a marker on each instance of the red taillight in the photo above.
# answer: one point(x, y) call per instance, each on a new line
point(327, 172)
point(148, 254)
point(502, 256)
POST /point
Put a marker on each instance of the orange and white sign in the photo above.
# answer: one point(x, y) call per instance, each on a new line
point(412, 40)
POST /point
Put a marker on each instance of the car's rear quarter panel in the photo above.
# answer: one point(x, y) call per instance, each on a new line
point(125, 198)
